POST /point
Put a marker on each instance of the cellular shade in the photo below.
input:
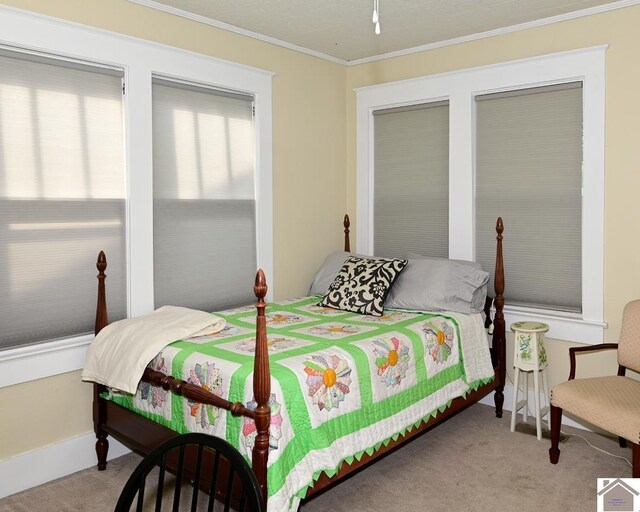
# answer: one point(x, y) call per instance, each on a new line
point(62, 196)
point(411, 180)
point(529, 171)
point(204, 207)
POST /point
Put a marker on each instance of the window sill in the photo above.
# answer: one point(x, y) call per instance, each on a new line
point(562, 326)
point(33, 362)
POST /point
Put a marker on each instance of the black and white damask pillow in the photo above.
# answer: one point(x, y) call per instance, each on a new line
point(362, 285)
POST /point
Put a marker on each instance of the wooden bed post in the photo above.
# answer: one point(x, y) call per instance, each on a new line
point(346, 223)
point(261, 388)
point(102, 317)
point(99, 406)
point(499, 339)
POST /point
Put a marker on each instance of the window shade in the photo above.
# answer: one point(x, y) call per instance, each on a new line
point(529, 171)
point(61, 196)
point(204, 208)
point(411, 180)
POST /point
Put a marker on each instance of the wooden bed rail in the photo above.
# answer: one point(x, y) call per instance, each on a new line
point(193, 392)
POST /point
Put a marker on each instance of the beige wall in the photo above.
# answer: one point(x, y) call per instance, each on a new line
point(42, 412)
point(619, 30)
point(309, 160)
point(314, 142)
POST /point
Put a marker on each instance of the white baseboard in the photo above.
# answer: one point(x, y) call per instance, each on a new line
point(508, 405)
point(50, 462)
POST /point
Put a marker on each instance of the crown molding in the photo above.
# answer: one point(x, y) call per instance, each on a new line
point(237, 30)
point(408, 51)
point(601, 48)
point(499, 31)
point(62, 22)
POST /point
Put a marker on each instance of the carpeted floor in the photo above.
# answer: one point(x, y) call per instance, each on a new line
point(471, 463)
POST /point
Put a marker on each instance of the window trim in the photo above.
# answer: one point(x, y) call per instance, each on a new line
point(460, 88)
point(30, 32)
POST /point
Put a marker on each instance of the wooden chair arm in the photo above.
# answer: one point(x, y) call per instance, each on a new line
point(591, 348)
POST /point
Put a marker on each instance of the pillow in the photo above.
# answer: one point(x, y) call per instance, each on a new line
point(434, 284)
point(416, 256)
point(362, 285)
point(329, 270)
point(480, 295)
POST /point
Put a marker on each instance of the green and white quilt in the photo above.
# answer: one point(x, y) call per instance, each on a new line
point(342, 384)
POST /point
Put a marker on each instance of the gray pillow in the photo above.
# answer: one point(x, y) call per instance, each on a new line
point(416, 256)
point(435, 284)
point(327, 273)
point(479, 296)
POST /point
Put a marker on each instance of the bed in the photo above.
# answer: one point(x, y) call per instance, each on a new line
point(334, 364)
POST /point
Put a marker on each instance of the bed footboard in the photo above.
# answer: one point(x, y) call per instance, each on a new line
point(261, 384)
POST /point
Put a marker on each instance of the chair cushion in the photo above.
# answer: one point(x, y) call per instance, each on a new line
point(611, 403)
point(629, 346)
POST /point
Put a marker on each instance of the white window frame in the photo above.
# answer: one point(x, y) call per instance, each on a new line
point(460, 88)
point(25, 31)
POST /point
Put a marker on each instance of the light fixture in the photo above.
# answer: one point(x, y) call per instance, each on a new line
point(376, 16)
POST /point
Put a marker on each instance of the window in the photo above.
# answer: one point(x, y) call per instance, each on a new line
point(529, 171)
point(525, 142)
point(411, 180)
point(92, 129)
point(62, 195)
point(204, 208)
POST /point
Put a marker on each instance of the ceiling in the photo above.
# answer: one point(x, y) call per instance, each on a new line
point(342, 30)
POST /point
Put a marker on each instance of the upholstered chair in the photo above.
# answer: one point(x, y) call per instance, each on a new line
point(610, 403)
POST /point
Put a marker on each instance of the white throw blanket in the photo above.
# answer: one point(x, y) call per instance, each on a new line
point(475, 346)
point(121, 351)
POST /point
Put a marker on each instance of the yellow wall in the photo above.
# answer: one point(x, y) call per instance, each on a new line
point(619, 30)
point(42, 412)
point(314, 143)
point(309, 162)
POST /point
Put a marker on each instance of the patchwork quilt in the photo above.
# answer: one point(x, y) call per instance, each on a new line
point(342, 384)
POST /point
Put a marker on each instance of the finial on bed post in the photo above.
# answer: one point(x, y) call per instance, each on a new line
point(499, 340)
point(102, 318)
point(261, 388)
point(346, 223)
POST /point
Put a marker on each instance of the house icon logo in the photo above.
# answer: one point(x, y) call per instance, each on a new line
point(618, 494)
